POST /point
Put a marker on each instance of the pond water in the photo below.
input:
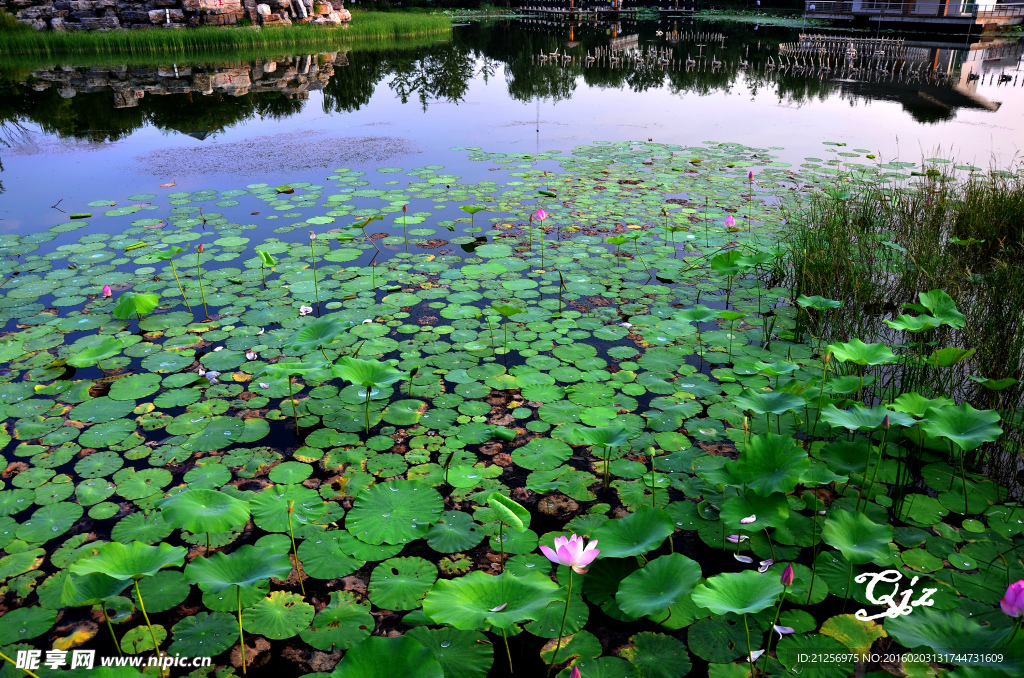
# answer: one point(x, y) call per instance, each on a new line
point(74, 132)
point(623, 288)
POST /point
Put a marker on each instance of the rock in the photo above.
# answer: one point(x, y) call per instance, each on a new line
point(105, 23)
point(557, 505)
point(57, 25)
point(344, 15)
point(161, 16)
point(269, 66)
point(263, 10)
point(82, 5)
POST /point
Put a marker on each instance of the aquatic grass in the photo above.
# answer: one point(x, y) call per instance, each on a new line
point(364, 26)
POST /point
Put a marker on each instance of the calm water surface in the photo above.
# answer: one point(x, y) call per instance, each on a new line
point(80, 132)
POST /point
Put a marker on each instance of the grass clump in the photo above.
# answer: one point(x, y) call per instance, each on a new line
point(364, 26)
point(878, 248)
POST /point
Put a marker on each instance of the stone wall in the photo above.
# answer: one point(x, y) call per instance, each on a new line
point(102, 15)
point(294, 77)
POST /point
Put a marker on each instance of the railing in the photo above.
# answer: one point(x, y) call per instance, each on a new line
point(953, 8)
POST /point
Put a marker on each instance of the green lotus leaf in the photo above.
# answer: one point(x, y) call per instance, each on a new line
point(332, 554)
point(279, 615)
point(963, 425)
point(941, 306)
point(204, 511)
point(636, 534)
point(510, 512)
point(770, 463)
point(542, 454)
point(394, 512)
point(953, 633)
point(163, 591)
point(317, 334)
point(818, 303)
point(130, 561)
point(387, 658)
point(462, 654)
point(244, 567)
point(478, 599)
point(772, 402)
point(859, 418)
point(135, 303)
point(91, 589)
point(89, 356)
point(204, 634)
point(401, 583)
point(25, 623)
point(860, 539)
point(455, 531)
point(657, 655)
point(343, 624)
point(657, 586)
point(738, 592)
point(49, 522)
point(367, 373)
point(859, 353)
point(270, 507)
point(605, 436)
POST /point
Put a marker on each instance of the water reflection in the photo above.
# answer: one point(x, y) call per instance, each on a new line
point(103, 103)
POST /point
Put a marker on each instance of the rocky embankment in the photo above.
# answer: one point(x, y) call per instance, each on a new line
point(72, 15)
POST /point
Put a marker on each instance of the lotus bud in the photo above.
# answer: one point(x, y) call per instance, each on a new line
point(414, 371)
point(885, 423)
point(251, 355)
point(200, 248)
point(750, 175)
point(575, 673)
point(312, 235)
point(1013, 602)
point(107, 292)
point(405, 208)
point(787, 576)
point(291, 506)
point(729, 221)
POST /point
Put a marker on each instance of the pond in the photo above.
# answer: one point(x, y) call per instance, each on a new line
point(319, 346)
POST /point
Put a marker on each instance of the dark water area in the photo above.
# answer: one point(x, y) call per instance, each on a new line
point(72, 132)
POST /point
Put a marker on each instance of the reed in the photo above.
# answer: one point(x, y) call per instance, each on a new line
point(364, 26)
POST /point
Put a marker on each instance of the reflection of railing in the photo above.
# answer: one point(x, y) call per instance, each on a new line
point(953, 8)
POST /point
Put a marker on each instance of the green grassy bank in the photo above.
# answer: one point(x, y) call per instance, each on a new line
point(364, 26)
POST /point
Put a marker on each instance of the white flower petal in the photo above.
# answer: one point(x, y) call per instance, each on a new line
point(749, 519)
point(742, 559)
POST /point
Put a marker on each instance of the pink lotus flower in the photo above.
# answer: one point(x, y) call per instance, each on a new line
point(570, 552)
point(783, 630)
point(729, 221)
point(575, 673)
point(1013, 602)
point(107, 292)
point(542, 215)
point(787, 576)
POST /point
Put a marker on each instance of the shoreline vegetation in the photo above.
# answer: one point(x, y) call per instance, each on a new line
point(364, 26)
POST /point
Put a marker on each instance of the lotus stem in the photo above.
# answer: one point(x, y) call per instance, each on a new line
point(878, 462)
point(636, 246)
point(501, 543)
point(316, 289)
point(201, 292)
point(117, 644)
point(749, 650)
point(263, 272)
point(295, 551)
point(241, 635)
point(295, 409)
point(849, 583)
point(707, 240)
point(777, 611)
point(770, 545)
point(507, 651)
point(207, 543)
point(504, 347)
point(142, 606)
point(175, 272)
point(565, 615)
point(369, 392)
point(14, 663)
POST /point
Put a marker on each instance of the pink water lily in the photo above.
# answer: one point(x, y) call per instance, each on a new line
point(571, 553)
point(1013, 602)
point(107, 291)
point(729, 221)
point(541, 214)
